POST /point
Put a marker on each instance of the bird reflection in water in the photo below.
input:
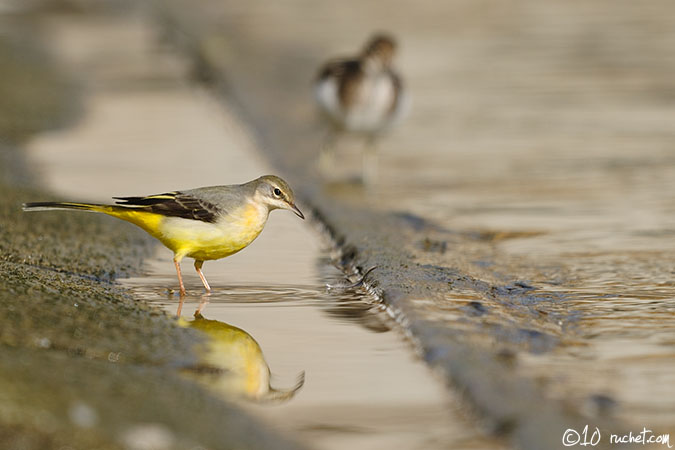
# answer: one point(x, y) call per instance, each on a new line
point(233, 363)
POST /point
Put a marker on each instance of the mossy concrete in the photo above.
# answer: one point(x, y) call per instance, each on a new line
point(33, 99)
point(83, 364)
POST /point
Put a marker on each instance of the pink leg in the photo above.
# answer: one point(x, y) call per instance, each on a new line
point(180, 306)
point(198, 267)
point(202, 305)
point(180, 278)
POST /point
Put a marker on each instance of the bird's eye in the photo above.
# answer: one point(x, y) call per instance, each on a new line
point(277, 192)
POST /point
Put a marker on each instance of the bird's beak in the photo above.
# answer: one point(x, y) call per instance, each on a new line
point(297, 211)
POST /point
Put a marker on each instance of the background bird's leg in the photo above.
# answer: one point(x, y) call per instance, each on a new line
point(198, 267)
point(327, 152)
point(369, 161)
point(176, 262)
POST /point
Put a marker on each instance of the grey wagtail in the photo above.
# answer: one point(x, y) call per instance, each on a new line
point(204, 223)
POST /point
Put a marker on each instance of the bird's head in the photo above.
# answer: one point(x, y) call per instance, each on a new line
point(275, 193)
point(381, 48)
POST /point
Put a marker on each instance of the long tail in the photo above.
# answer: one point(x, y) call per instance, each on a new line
point(149, 221)
point(45, 206)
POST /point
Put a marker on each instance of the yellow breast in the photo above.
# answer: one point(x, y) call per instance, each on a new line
point(206, 241)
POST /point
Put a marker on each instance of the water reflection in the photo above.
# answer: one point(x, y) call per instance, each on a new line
point(233, 363)
point(361, 377)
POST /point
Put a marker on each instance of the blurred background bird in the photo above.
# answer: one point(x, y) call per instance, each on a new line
point(362, 95)
point(205, 223)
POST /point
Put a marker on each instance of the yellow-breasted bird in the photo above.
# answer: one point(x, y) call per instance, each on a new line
point(205, 223)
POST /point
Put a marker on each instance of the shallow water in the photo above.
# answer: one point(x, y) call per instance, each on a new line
point(363, 386)
point(147, 130)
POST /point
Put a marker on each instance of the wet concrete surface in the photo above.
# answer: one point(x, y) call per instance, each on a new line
point(533, 263)
point(535, 173)
point(363, 387)
point(85, 365)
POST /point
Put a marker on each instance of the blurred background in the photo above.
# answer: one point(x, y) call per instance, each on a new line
point(538, 153)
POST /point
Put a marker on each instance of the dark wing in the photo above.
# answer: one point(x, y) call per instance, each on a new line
point(339, 68)
point(348, 74)
point(173, 204)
